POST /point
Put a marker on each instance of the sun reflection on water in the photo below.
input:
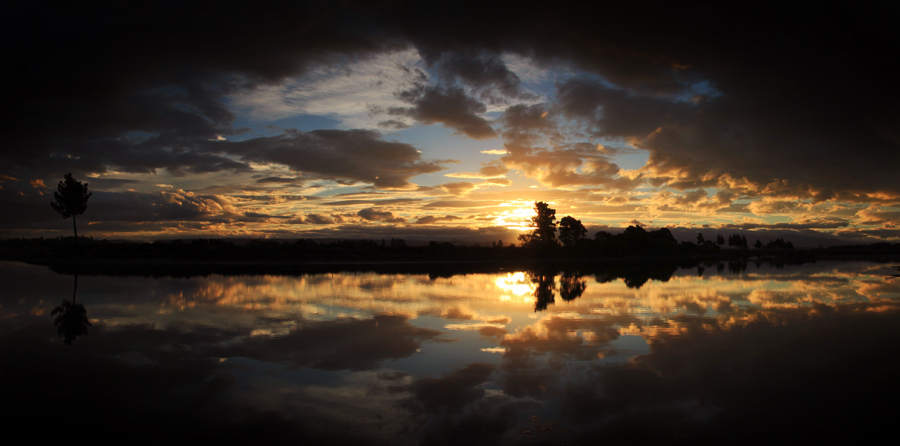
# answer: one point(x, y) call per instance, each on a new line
point(515, 284)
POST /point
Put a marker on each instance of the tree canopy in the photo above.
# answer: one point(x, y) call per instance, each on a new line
point(571, 231)
point(71, 199)
point(544, 224)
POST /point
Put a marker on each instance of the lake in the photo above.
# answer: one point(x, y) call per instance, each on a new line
point(739, 352)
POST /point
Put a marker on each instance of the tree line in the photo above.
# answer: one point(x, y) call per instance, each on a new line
point(635, 240)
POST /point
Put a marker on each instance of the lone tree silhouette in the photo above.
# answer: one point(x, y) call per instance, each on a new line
point(544, 234)
point(71, 199)
point(571, 231)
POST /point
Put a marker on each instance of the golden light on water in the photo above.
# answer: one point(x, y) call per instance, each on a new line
point(514, 284)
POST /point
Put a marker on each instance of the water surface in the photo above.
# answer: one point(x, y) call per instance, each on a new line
point(739, 352)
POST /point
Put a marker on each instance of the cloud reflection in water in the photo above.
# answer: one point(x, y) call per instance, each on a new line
point(807, 351)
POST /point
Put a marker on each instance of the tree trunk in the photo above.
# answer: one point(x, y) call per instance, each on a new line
point(75, 228)
point(75, 289)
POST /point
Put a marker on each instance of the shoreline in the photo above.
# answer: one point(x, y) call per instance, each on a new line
point(440, 268)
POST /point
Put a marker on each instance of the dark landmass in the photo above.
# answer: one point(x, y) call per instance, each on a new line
point(216, 256)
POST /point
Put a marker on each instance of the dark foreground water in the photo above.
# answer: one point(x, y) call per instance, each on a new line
point(727, 353)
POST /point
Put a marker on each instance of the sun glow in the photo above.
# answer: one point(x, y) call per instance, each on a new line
point(515, 284)
point(518, 218)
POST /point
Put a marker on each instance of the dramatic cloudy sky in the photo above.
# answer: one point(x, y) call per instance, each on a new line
point(447, 120)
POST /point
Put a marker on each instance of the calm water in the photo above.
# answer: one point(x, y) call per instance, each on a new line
point(736, 353)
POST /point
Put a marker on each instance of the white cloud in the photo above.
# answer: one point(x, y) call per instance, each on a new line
point(344, 92)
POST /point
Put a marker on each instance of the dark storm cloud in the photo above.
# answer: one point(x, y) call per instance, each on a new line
point(109, 183)
point(258, 216)
point(616, 112)
point(524, 118)
point(317, 219)
point(372, 214)
point(120, 211)
point(450, 107)
point(485, 72)
point(536, 145)
point(161, 206)
point(431, 219)
point(375, 202)
point(279, 180)
point(876, 215)
point(142, 87)
point(760, 94)
point(786, 104)
point(341, 155)
point(819, 224)
point(773, 91)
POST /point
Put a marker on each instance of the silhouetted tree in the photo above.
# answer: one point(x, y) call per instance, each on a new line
point(700, 240)
point(571, 231)
point(779, 243)
point(636, 240)
point(71, 199)
point(738, 241)
point(544, 234)
point(663, 240)
point(720, 240)
point(758, 244)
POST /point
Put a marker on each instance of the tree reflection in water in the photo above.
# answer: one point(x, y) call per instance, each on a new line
point(71, 319)
point(571, 286)
point(544, 292)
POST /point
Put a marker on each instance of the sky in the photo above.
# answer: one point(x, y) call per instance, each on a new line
point(448, 120)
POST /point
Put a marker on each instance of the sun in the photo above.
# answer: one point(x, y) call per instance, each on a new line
point(518, 217)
